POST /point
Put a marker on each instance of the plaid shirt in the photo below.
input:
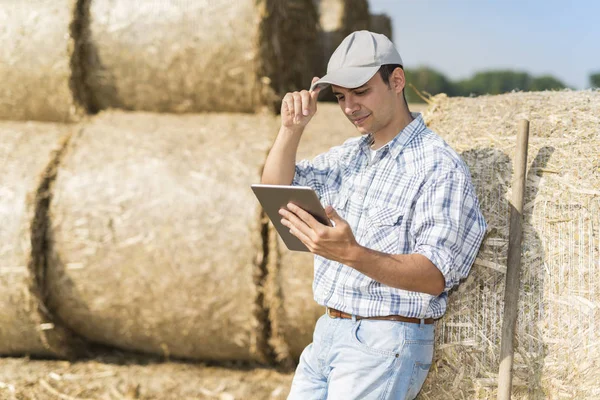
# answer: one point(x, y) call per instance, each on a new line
point(415, 196)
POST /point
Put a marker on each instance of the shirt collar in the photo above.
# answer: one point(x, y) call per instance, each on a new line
point(398, 143)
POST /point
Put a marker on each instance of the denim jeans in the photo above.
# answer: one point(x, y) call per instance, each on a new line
point(364, 359)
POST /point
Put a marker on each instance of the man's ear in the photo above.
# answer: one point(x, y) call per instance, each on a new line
point(398, 80)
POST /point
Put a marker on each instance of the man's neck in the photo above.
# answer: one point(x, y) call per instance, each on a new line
point(386, 134)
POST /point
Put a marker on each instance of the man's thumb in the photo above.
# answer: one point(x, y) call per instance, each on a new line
point(332, 214)
point(315, 92)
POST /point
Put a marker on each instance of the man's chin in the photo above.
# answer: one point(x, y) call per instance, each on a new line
point(363, 130)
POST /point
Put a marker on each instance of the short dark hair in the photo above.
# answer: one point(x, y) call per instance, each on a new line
point(386, 71)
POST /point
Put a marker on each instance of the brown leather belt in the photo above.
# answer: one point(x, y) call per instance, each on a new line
point(333, 313)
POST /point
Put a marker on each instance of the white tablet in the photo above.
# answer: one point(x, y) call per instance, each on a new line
point(274, 197)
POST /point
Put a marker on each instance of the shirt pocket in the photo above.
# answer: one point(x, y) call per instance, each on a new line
point(383, 229)
point(340, 204)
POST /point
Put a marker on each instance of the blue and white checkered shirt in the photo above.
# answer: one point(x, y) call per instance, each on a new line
point(415, 196)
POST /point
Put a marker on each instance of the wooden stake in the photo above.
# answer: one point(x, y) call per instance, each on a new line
point(513, 272)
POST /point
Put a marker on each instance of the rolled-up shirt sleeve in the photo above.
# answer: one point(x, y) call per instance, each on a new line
point(448, 226)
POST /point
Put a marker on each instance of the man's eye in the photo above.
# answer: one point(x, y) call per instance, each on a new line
point(340, 98)
point(360, 92)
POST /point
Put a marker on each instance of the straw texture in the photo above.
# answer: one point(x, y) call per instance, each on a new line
point(35, 60)
point(156, 240)
point(557, 353)
point(137, 377)
point(27, 153)
point(183, 56)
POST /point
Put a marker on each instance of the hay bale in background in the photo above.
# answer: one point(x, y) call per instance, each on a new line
point(155, 242)
point(35, 61)
point(557, 353)
point(182, 56)
point(27, 154)
point(289, 293)
point(381, 23)
point(338, 19)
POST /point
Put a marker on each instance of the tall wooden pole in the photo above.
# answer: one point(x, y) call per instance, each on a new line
point(513, 267)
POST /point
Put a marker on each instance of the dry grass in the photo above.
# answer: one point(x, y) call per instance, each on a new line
point(35, 61)
point(27, 154)
point(155, 239)
point(234, 56)
point(557, 352)
point(119, 378)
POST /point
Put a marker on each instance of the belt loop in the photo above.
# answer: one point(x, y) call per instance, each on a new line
point(353, 318)
point(422, 324)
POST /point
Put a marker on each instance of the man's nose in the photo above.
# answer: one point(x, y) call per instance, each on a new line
point(351, 106)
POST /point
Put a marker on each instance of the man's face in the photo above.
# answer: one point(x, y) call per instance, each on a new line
point(369, 107)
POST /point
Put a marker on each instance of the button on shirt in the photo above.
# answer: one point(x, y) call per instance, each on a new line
point(414, 196)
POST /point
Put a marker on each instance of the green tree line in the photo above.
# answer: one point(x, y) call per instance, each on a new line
point(429, 81)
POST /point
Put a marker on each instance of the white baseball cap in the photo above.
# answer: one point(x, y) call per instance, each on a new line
point(357, 59)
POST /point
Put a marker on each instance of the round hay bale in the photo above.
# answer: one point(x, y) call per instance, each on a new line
point(28, 153)
point(381, 23)
point(181, 56)
point(156, 240)
point(289, 292)
point(557, 331)
point(338, 19)
point(35, 61)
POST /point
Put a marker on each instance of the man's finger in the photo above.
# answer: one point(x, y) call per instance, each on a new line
point(303, 238)
point(314, 94)
point(286, 108)
point(297, 105)
point(288, 102)
point(293, 222)
point(305, 102)
point(305, 217)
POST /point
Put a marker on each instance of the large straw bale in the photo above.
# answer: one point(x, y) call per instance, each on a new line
point(381, 23)
point(338, 19)
point(289, 290)
point(205, 55)
point(35, 60)
point(27, 154)
point(156, 238)
point(558, 328)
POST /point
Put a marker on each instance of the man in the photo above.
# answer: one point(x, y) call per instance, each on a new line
point(407, 227)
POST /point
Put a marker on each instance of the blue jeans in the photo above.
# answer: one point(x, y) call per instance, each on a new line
point(364, 359)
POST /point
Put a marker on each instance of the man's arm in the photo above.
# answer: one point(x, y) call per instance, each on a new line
point(448, 229)
point(418, 274)
point(412, 272)
point(297, 109)
point(281, 162)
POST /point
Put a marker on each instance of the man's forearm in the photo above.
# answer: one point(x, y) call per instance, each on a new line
point(281, 162)
point(412, 272)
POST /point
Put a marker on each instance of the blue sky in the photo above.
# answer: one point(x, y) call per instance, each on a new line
point(460, 37)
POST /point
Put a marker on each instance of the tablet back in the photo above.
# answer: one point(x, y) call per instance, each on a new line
point(274, 197)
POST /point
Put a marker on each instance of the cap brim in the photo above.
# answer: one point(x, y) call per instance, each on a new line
point(350, 78)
